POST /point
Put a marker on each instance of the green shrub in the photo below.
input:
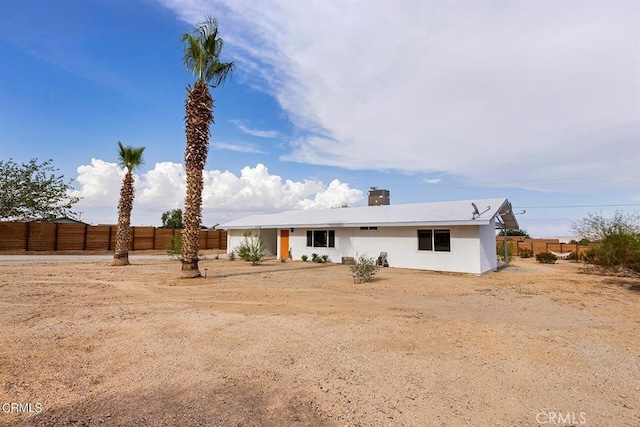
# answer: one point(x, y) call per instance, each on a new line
point(363, 269)
point(315, 258)
point(574, 256)
point(252, 248)
point(304, 258)
point(325, 258)
point(526, 253)
point(616, 240)
point(546, 258)
point(232, 256)
point(174, 248)
point(500, 252)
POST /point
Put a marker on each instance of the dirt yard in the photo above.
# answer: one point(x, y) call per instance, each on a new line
point(84, 343)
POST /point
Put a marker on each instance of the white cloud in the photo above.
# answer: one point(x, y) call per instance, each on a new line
point(225, 194)
point(239, 148)
point(431, 180)
point(256, 132)
point(529, 94)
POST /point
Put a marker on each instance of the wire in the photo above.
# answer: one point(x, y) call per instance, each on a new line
point(575, 206)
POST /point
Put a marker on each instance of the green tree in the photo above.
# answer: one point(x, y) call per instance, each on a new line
point(616, 240)
point(515, 232)
point(172, 219)
point(202, 48)
point(129, 158)
point(33, 191)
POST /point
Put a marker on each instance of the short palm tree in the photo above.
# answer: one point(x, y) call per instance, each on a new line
point(202, 48)
point(129, 158)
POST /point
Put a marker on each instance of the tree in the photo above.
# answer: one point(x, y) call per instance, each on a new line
point(131, 159)
point(172, 219)
point(33, 191)
point(515, 232)
point(616, 240)
point(202, 48)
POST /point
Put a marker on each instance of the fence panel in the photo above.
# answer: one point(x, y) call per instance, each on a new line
point(164, 236)
point(98, 237)
point(143, 238)
point(42, 236)
point(71, 237)
point(13, 236)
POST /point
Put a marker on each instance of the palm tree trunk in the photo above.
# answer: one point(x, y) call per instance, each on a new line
point(125, 206)
point(199, 109)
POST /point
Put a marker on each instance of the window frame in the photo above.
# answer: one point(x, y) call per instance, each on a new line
point(433, 244)
point(329, 238)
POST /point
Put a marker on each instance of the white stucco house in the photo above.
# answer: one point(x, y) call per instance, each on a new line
point(456, 236)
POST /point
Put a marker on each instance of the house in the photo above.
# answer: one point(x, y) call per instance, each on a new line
point(444, 236)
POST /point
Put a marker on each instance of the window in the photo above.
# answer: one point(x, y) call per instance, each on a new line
point(425, 240)
point(442, 240)
point(438, 240)
point(368, 228)
point(321, 238)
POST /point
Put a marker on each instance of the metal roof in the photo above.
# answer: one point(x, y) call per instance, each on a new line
point(417, 214)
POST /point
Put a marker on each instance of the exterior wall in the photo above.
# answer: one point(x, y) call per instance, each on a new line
point(235, 238)
point(467, 254)
point(472, 247)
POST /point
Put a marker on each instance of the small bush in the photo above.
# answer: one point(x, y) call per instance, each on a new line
point(304, 258)
point(363, 269)
point(546, 258)
point(325, 258)
point(574, 256)
point(232, 256)
point(252, 248)
point(526, 253)
point(174, 248)
point(315, 258)
point(500, 252)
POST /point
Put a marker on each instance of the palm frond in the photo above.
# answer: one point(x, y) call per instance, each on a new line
point(201, 54)
point(130, 157)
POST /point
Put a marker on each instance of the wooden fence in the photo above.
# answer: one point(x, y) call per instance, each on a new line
point(49, 236)
point(540, 245)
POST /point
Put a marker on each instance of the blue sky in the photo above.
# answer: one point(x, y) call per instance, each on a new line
point(534, 101)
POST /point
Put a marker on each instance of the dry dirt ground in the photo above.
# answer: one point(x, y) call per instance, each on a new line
point(84, 343)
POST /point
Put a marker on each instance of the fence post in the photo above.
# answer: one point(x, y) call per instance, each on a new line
point(26, 237)
point(55, 240)
point(84, 244)
point(109, 241)
point(133, 238)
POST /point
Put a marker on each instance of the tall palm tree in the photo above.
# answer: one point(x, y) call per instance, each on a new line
point(202, 48)
point(129, 158)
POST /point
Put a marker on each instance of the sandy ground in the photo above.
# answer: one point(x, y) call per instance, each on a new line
point(84, 343)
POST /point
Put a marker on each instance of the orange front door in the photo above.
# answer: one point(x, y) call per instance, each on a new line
point(284, 244)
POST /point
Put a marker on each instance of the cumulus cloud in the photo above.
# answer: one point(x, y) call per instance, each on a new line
point(225, 195)
point(529, 94)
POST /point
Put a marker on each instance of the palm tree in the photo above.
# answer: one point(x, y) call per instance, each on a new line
point(202, 48)
point(129, 158)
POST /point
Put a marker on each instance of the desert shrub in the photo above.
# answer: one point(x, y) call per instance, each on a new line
point(574, 256)
point(363, 269)
point(526, 253)
point(617, 240)
point(500, 252)
point(232, 256)
point(325, 258)
point(315, 257)
point(252, 248)
point(546, 258)
point(304, 258)
point(174, 248)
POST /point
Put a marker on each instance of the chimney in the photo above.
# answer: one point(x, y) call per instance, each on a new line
point(378, 197)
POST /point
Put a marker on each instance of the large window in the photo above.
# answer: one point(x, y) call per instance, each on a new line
point(438, 240)
point(321, 238)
